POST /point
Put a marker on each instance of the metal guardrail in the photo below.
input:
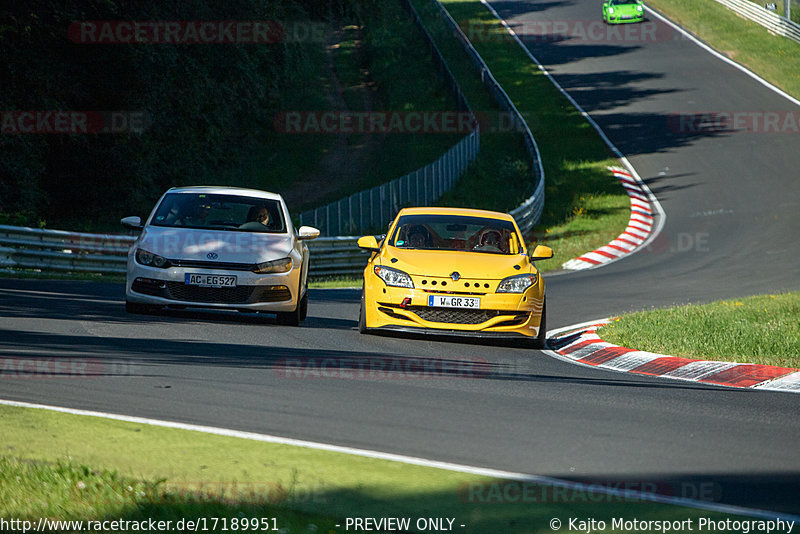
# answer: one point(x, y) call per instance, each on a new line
point(772, 21)
point(56, 250)
point(372, 209)
point(530, 211)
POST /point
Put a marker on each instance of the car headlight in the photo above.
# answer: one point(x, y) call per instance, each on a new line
point(610, 10)
point(639, 9)
point(149, 259)
point(393, 277)
point(283, 265)
point(516, 284)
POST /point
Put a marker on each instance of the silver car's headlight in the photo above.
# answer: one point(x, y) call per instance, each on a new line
point(516, 284)
point(393, 277)
point(283, 265)
point(150, 259)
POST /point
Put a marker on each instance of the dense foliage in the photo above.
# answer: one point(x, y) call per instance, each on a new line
point(204, 105)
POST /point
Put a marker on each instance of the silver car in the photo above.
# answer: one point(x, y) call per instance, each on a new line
point(219, 247)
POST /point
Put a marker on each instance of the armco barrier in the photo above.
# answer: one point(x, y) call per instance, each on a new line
point(772, 21)
point(372, 209)
point(56, 250)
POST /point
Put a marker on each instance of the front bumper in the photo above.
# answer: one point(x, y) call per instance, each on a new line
point(253, 292)
point(626, 19)
point(501, 315)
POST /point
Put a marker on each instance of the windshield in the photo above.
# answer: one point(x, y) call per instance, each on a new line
point(449, 232)
point(623, 2)
point(220, 212)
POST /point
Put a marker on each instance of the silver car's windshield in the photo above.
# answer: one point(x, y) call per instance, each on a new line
point(220, 212)
point(448, 232)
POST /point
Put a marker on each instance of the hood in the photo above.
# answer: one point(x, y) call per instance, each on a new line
point(626, 8)
point(229, 247)
point(443, 262)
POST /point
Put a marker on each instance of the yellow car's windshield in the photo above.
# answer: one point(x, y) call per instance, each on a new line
point(449, 232)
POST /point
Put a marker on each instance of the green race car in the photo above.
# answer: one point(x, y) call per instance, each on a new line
point(622, 11)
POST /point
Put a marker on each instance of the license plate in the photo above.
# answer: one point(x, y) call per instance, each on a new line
point(448, 301)
point(210, 280)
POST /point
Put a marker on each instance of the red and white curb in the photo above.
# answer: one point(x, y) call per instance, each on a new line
point(582, 345)
point(640, 227)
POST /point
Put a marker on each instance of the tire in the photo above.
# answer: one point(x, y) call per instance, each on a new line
point(304, 306)
point(294, 318)
point(362, 316)
point(137, 308)
point(541, 339)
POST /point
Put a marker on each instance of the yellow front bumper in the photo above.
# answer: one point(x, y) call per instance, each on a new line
point(500, 315)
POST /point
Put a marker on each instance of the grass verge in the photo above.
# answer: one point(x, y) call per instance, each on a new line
point(585, 207)
point(763, 329)
point(775, 58)
point(70, 467)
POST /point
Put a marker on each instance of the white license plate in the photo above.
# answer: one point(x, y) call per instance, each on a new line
point(210, 280)
point(448, 301)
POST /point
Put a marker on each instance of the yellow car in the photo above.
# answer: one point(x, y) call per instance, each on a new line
point(454, 271)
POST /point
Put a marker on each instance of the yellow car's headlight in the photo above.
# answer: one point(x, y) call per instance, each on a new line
point(393, 277)
point(516, 284)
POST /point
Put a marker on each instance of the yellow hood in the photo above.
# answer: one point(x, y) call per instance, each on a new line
point(444, 262)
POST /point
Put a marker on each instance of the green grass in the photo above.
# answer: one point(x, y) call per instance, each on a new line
point(775, 58)
point(333, 282)
point(585, 207)
point(70, 467)
point(762, 329)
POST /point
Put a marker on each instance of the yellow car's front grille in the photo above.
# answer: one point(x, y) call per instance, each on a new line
point(458, 316)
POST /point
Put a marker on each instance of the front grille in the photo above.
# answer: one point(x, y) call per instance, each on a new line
point(458, 316)
point(212, 295)
point(200, 264)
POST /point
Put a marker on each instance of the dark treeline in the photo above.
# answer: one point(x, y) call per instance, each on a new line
point(203, 106)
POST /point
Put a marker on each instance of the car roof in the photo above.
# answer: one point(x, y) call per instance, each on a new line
point(219, 190)
point(468, 212)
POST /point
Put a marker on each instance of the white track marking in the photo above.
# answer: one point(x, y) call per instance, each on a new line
point(411, 460)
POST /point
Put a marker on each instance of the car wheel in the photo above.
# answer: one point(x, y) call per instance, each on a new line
point(304, 306)
point(362, 316)
point(541, 339)
point(136, 308)
point(293, 318)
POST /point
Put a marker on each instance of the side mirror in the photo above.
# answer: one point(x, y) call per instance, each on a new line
point(307, 233)
point(368, 242)
point(542, 252)
point(134, 223)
